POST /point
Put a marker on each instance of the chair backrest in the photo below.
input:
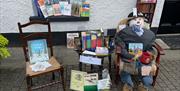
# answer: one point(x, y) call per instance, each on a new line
point(25, 37)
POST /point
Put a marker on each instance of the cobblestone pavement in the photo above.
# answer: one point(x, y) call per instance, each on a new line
point(12, 71)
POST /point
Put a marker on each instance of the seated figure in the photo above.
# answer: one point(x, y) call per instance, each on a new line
point(138, 63)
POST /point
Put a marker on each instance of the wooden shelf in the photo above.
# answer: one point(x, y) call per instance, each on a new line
point(147, 8)
point(60, 18)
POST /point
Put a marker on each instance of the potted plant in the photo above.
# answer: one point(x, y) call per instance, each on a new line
point(4, 52)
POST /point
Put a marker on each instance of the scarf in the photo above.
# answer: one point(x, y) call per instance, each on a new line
point(138, 30)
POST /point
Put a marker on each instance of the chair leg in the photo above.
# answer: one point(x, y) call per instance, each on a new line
point(109, 58)
point(154, 77)
point(53, 76)
point(62, 78)
point(80, 66)
point(117, 75)
point(29, 83)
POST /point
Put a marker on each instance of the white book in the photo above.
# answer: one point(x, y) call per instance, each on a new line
point(67, 10)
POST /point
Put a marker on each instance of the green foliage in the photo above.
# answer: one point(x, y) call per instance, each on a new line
point(4, 52)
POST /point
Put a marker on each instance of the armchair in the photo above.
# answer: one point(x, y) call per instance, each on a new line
point(118, 59)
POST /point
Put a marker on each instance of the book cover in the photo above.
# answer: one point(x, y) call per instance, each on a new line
point(38, 51)
point(65, 8)
point(50, 10)
point(70, 39)
point(56, 10)
point(36, 8)
point(99, 42)
point(90, 82)
point(43, 8)
point(76, 6)
point(135, 48)
point(88, 41)
point(77, 80)
point(83, 34)
point(93, 41)
point(85, 10)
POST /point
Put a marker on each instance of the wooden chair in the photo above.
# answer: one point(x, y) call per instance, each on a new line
point(56, 67)
point(118, 65)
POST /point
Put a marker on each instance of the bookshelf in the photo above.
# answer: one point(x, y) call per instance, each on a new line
point(60, 18)
point(147, 7)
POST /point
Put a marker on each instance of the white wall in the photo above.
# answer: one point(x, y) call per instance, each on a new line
point(104, 13)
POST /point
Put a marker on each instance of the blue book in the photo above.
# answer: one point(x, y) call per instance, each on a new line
point(37, 8)
point(38, 51)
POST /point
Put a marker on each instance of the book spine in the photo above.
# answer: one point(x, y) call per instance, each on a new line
point(93, 42)
point(99, 42)
point(83, 34)
point(88, 40)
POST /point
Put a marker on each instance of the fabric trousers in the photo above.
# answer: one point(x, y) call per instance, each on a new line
point(146, 80)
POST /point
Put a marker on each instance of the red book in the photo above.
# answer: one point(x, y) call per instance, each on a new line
point(93, 41)
point(99, 42)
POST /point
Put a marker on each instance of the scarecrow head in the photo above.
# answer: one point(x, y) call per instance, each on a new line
point(138, 19)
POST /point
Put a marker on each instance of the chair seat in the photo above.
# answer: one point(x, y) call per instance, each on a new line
point(55, 66)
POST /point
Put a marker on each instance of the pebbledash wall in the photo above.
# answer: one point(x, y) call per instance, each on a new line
point(104, 14)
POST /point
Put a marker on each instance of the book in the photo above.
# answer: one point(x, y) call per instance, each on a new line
point(65, 8)
point(135, 48)
point(90, 82)
point(93, 41)
point(85, 9)
point(70, 39)
point(43, 8)
point(36, 8)
point(77, 80)
point(88, 41)
point(56, 9)
point(38, 51)
point(76, 6)
point(50, 10)
point(83, 34)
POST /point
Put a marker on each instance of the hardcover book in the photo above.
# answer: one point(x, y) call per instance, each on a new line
point(135, 48)
point(70, 39)
point(38, 51)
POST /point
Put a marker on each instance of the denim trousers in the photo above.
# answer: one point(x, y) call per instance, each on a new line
point(146, 80)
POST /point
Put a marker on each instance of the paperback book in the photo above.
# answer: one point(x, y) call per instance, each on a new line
point(135, 48)
point(85, 10)
point(38, 51)
point(77, 80)
point(90, 82)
